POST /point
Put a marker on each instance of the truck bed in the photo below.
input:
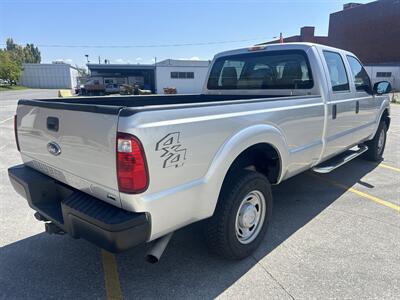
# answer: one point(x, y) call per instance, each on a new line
point(112, 105)
point(85, 128)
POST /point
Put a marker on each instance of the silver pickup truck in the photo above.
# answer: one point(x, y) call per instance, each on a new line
point(120, 171)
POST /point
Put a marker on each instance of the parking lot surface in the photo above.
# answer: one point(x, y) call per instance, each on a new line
point(331, 236)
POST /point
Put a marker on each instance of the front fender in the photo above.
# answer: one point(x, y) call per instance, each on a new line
point(385, 105)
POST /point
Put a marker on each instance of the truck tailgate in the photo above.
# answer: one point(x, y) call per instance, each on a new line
point(75, 147)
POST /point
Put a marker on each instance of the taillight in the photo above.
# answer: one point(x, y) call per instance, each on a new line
point(16, 132)
point(132, 173)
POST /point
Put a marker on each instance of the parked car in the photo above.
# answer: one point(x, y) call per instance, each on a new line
point(93, 87)
point(124, 171)
point(4, 82)
point(112, 88)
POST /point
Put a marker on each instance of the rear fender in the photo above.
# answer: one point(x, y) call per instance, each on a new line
point(232, 148)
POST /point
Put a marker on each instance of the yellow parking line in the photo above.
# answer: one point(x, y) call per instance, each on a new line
point(389, 167)
point(375, 199)
point(362, 194)
point(111, 276)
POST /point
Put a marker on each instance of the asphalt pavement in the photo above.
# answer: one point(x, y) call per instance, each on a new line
point(331, 236)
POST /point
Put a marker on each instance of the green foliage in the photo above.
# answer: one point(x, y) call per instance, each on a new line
point(27, 54)
point(12, 58)
point(10, 70)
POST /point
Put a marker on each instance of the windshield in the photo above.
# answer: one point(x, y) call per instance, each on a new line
point(287, 69)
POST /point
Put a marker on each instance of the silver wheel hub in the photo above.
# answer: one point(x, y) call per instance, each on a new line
point(250, 217)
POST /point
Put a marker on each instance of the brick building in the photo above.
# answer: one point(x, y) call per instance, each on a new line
point(306, 35)
point(371, 31)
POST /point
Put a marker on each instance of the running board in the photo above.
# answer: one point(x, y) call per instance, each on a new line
point(339, 160)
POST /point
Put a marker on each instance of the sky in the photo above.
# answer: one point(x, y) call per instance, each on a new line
point(125, 31)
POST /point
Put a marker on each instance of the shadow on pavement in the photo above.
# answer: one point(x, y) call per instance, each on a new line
point(59, 267)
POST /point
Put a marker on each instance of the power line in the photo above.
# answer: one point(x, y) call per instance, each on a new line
point(146, 46)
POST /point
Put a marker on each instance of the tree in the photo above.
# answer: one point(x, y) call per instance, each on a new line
point(12, 58)
point(10, 45)
point(81, 71)
point(10, 70)
point(32, 54)
point(27, 54)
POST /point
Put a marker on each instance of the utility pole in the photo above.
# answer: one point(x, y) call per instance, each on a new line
point(99, 60)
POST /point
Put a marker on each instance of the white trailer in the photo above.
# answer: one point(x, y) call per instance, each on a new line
point(187, 76)
point(49, 76)
point(388, 72)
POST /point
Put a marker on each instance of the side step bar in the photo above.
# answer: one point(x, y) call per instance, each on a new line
point(339, 160)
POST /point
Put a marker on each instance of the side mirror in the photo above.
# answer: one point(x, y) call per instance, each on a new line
point(382, 87)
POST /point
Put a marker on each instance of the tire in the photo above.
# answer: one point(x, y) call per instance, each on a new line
point(376, 146)
point(226, 231)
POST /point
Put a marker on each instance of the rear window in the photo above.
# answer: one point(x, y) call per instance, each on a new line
point(288, 69)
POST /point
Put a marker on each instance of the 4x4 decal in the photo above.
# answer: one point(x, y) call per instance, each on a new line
point(173, 153)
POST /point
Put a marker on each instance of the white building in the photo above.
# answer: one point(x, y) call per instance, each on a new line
point(387, 72)
point(49, 76)
point(187, 76)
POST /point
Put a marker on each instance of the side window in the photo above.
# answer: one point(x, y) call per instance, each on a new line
point(360, 76)
point(337, 71)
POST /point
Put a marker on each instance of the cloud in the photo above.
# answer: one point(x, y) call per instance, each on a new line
point(189, 58)
point(120, 61)
point(139, 59)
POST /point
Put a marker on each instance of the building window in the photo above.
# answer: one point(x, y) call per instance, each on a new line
point(182, 75)
point(383, 74)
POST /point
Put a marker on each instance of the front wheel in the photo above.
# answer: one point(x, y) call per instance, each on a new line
point(376, 146)
point(240, 221)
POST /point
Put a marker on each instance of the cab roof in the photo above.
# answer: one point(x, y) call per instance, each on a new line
point(278, 46)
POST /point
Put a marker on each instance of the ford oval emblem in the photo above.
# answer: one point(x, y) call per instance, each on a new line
point(54, 148)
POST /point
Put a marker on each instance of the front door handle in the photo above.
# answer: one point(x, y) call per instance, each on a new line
point(334, 111)
point(357, 107)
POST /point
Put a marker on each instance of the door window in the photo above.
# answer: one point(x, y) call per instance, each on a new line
point(360, 76)
point(337, 71)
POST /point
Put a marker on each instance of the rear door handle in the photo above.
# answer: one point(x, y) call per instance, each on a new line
point(357, 107)
point(334, 111)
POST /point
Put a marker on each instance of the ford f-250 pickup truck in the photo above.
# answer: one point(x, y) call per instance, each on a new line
point(120, 171)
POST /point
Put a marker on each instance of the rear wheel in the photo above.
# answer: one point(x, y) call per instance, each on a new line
point(376, 146)
point(241, 218)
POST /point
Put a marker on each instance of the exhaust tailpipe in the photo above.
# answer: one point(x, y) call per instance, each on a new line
point(39, 217)
point(157, 248)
